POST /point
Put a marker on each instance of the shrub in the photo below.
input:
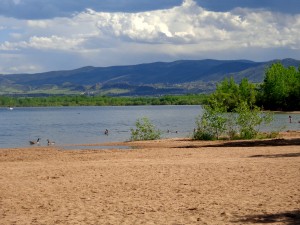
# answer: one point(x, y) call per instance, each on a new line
point(243, 124)
point(249, 120)
point(201, 132)
point(263, 135)
point(212, 124)
point(145, 130)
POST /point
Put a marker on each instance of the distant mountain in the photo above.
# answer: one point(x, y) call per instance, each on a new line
point(183, 76)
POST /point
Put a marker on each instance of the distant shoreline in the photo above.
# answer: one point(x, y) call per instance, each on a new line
point(14, 107)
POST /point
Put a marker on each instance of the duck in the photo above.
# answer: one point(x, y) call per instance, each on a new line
point(50, 142)
point(35, 142)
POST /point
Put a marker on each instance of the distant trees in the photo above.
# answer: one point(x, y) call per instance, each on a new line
point(82, 100)
point(7, 101)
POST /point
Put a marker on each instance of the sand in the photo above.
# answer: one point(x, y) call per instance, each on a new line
point(175, 181)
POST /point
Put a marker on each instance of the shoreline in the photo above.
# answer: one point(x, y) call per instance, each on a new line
point(284, 134)
point(167, 181)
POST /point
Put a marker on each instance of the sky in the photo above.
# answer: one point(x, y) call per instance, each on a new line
point(47, 35)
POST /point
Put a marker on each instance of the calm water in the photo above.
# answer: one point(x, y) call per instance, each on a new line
point(79, 125)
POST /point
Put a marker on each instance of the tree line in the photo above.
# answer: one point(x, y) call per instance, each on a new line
point(83, 100)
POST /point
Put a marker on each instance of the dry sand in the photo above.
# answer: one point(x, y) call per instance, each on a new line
point(175, 181)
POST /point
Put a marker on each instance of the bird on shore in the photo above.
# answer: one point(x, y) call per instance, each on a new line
point(35, 142)
point(50, 142)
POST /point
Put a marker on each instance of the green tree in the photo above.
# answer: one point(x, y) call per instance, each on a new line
point(281, 88)
point(293, 84)
point(231, 94)
point(227, 93)
point(247, 92)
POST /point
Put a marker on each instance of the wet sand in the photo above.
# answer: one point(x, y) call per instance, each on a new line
point(173, 181)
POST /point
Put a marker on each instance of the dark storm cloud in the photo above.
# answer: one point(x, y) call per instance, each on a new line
point(284, 6)
point(45, 9)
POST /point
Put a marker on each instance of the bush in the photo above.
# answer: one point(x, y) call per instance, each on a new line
point(249, 120)
point(263, 135)
point(201, 134)
point(243, 124)
point(212, 124)
point(145, 130)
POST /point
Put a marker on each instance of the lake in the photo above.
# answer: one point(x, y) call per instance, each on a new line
point(82, 125)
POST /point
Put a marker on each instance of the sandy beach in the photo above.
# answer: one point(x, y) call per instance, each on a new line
point(172, 181)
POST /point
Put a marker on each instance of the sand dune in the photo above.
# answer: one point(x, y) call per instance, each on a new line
point(175, 181)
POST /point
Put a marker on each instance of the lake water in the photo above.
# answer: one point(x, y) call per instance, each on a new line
point(80, 125)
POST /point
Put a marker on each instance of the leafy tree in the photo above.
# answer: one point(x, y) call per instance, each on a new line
point(226, 93)
point(145, 130)
point(293, 84)
point(247, 92)
point(281, 88)
point(231, 94)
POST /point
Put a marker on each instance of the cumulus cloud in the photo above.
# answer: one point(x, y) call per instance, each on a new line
point(191, 24)
point(186, 31)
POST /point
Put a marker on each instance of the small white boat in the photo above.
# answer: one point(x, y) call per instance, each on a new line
point(10, 108)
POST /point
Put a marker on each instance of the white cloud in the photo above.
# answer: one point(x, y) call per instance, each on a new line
point(37, 23)
point(53, 42)
point(182, 32)
point(191, 24)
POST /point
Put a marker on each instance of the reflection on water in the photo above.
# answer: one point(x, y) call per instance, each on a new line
point(83, 125)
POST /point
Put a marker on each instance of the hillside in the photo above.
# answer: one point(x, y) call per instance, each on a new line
point(178, 77)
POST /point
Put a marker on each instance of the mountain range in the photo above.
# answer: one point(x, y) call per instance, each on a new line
point(178, 77)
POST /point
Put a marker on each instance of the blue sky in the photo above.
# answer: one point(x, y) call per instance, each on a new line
point(43, 35)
